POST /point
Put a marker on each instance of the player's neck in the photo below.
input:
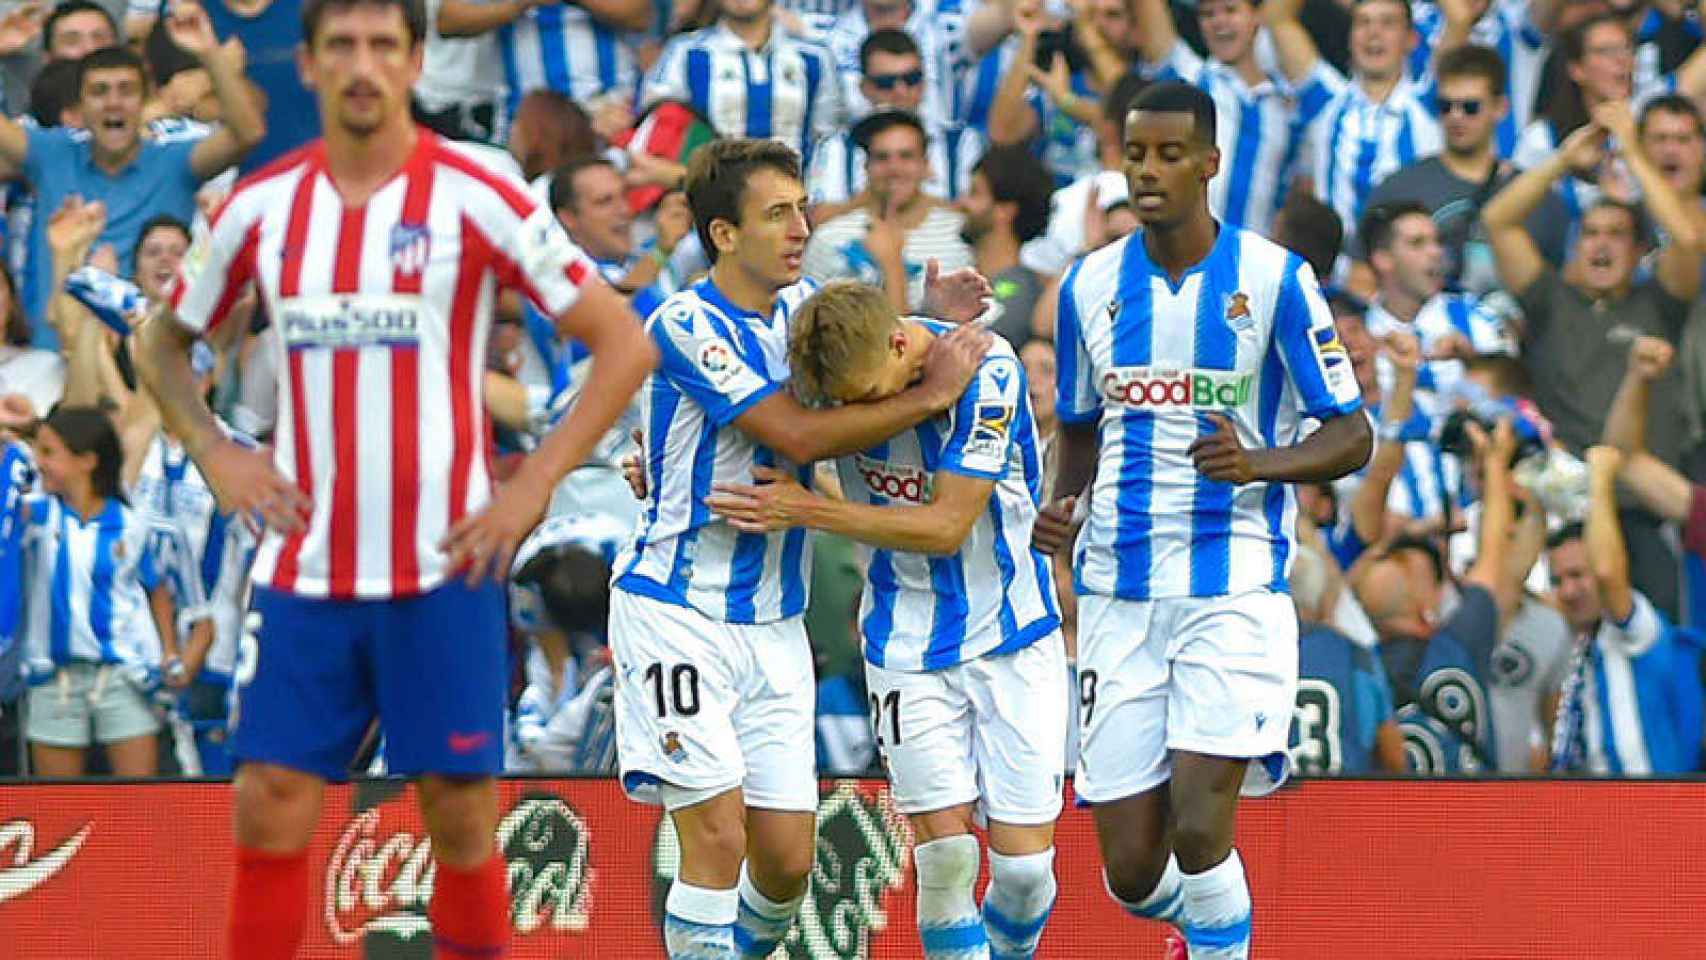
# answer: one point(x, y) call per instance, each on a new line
point(1183, 246)
point(1474, 166)
point(84, 502)
point(997, 250)
point(1247, 69)
point(755, 33)
point(1378, 88)
point(1400, 304)
point(741, 289)
point(359, 166)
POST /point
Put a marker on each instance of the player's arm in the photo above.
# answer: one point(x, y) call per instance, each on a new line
point(242, 122)
point(1078, 410)
point(1515, 253)
point(1678, 264)
point(1490, 570)
point(1655, 483)
point(1602, 534)
point(937, 528)
point(1011, 119)
point(1296, 50)
point(1368, 504)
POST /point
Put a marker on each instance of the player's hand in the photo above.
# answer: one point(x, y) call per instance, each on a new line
point(20, 25)
point(1221, 455)
point(634, 468)
point(246, 482)
point(774, 502)
point(190, 29)
point(483, 544)
point(1055, 527)
point(674, 221)
point(957, 297)
point(1650, 357)
point(1584, 148)
point(885, 238)
point(1452, 346)
point(952, 361)
point(1618, 120)
point(1404, 350)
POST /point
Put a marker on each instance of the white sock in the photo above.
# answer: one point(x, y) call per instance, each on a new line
point(1217, 911)
point(1165, 903)
point(698, 922)
point(762, 922)
point(948, 920)
point(1017, 903)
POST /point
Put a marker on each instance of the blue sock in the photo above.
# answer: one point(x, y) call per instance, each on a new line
point(762, 923)
point(948, 920)
point(1217, 911)
point(1165, 903)
point(699, 923)
point(1017, 904)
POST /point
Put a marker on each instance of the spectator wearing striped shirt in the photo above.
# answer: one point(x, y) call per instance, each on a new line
point(1516, 30)
point(893, 238)
point(937, 28)
point(1362, 129)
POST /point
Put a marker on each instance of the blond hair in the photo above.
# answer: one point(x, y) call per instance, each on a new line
point(837, 334)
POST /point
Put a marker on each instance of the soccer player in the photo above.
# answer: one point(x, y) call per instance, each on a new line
point(963, 652)
point(714, 674)
point(378, 252)
point(1190, 354)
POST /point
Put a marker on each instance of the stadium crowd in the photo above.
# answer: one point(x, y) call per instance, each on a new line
point(1503, 197)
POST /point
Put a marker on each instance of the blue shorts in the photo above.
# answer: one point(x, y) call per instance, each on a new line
point(433, 668)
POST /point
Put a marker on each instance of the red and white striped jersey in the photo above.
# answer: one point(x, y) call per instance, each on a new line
point(383, 312)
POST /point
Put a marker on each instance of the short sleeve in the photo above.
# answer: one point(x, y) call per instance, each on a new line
point(984, 420)
point(1317, 90)
point(542, 262)
point(1182, 63)
point(1075, 395)
point(49, 148)
point(219, 266)
point(1308, 344)
point(703, 362)
point(668, 79)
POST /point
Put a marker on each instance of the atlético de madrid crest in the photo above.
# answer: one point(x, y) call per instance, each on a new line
point(411, 245)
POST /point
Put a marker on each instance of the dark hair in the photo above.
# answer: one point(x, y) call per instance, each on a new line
point(1122, 98)
point(1564, 106)
point(897, 43)
point(1312, 230)
point(565, 132)
point(414, 15)
point(1423, 544)
point(717, 174)
point(563, 180)
point(68, 8)
point(160, 221)
point(1173, 96)
point(883, 121)
point(1474, 60)
point(90, 430)
point(574, 583)
point(1564, 534)
point(55, 90)
point(1016, 176)
point(165, 58)
point(1637, 216)
point(1507, 373)
point(1380, 220)
point(14, 323)
point(1409, 15)
point(110, 58)
point(1671, 103)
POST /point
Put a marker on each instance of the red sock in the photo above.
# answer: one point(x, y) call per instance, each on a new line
point(470, 910)
point(269, 905)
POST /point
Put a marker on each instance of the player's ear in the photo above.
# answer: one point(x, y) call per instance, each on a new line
point(723, 234)
point(1211, 162)
point(898, 342)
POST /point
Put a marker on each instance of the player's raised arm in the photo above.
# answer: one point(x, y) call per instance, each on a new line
point(1657, 484)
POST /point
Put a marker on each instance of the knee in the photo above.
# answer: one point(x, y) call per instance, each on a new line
point(1023, 875)
point(276, 808)
point(461, 817)
point(1200, 836)
point(947, 863)
point(714, 839)
point(1133, 874)
point(784, 869)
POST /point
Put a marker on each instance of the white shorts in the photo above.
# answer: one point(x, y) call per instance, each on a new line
point(1213, 675)
point(87, 703)
point(706, 706)
point(990, 731)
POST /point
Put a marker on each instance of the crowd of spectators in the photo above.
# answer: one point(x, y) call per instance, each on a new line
point(1503, 200)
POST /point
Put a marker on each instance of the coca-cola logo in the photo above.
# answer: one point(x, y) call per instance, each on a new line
point(379, 883)
point(25, 872)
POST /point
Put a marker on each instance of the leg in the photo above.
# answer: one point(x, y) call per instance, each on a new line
point(946, 856)
point(276, 810)
point(703, 902)
point(470, 900)
point(1022, 888)
point(1217, 897)
point(135, 757)
point(1137, 855)
point(47, 760)
point(780, 845)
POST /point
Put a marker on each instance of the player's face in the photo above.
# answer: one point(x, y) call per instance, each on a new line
point(111, 104)
point(1228, 28)
point(894, 80)
point(362, 62)
point(896, 165)
point(1415, 262)
point(1381, 38)
point(157, 258)
point(1673, 142)
point(1574, 585)
point(977, 205)
point(770, 240)
point(61, 470)
point(1353, 333)
point(1167, 168)
point(744, 11)
point(600, 222)
point(78, 35)
point(1466, 132)
point(1606, 250)
point(887, 14)
point(1606, 70)
point(1040, 372)
point(1113, 20)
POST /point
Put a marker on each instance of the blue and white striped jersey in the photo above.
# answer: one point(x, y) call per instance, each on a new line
point(1507, 28)
point(1355, 142)
point(938, 27)
point(1446, 313)
point(86, 589)
point(1255, 133)
point(1246, 333)
point(996, 594)
point(788, 90)
point(17, 479)
point(717, 362)
point(211, 551)
point(838, 165)
point(817, 17)
point(1637, 685)
point(564, 48)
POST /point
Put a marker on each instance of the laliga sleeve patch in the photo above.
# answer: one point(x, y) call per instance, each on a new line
point(717, 362)
point(990, 432)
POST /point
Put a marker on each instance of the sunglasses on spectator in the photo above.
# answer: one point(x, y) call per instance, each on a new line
point(889, 81)
point(1446, 105)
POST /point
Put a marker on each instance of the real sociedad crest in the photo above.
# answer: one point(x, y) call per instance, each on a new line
point(411, 244)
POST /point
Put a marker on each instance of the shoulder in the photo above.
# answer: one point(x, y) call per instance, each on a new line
point(847, 225)
point(1097, 272)
point(495, 159)
point(260, 189)
point(491, 180)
